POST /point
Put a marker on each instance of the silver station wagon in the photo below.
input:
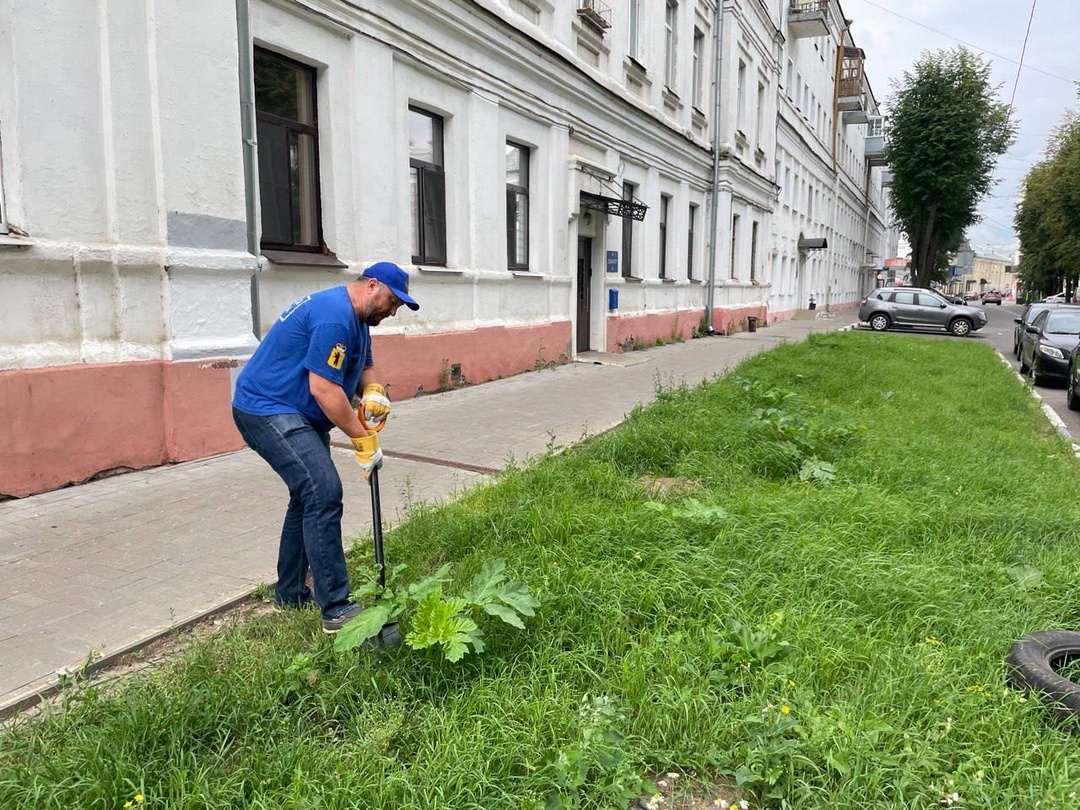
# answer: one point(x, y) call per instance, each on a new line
point(915, 307)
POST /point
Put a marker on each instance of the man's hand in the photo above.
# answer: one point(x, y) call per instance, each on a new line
point(375, 404)
point(368, 453)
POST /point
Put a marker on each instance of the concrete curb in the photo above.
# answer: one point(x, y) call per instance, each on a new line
point(1051, 414)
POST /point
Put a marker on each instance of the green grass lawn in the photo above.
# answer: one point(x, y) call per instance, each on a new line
point(823, 643)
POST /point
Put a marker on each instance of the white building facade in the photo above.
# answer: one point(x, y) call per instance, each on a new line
point(544, 170)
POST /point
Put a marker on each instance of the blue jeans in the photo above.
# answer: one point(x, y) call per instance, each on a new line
point(311, 534)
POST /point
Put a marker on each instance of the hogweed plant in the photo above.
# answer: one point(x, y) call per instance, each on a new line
point(433, 619)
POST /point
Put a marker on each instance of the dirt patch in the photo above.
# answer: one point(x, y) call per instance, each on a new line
point(662, 486)
point(677, 792)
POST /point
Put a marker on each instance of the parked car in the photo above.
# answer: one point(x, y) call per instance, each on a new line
point(889, 307)
point(992, 297)
point(971, 295)
point(953, 299)
point(1047, 344)
point(1055, 299)
point(1025, 320)
point(1072, 384)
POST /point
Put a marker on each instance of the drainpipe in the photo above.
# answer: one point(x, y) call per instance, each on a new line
point(247, 131)
point(710, 296)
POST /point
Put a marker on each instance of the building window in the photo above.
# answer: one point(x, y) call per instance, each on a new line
point(428, 185)
point(288, 136)
point(628, 235)
point(760, 127)
point(699, 67)
point(753, 251)
point(633, 47)
point(740, 109)
point(517, 206)
point(664, 204)
point(734, 242)
point(670, 15)
point(690, 243)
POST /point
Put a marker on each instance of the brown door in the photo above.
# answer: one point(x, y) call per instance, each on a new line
point(584, 291)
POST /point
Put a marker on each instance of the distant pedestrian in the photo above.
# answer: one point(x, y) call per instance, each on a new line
point(297, 386)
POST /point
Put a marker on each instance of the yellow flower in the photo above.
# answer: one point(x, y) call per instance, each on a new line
point(785, 710)
point(127, 804)
point(790, 682)
point(139, 797)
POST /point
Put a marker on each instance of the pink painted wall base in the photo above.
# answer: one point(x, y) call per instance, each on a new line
point(64, 424)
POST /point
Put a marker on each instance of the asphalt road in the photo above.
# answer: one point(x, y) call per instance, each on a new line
point(999, 334)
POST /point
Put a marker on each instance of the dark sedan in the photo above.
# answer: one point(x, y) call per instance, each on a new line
point(992, 297)
point(1046, 344)
point(1025, 320)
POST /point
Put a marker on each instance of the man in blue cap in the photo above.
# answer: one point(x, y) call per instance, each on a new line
point(296, 387)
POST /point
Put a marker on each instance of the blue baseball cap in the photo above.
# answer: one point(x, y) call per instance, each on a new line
point(395, 278)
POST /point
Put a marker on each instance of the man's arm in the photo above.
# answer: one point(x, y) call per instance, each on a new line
point(332, 400)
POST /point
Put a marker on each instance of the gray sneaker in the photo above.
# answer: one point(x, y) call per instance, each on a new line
point(343, 618)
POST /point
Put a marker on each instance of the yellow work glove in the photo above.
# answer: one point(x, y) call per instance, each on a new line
point(375, 404)
point(368, 454)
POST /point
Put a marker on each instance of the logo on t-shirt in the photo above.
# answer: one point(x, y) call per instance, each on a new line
point(294, 306)
point(337, 356)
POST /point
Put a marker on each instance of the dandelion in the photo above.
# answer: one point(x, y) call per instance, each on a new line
point(785, 709)
point(790, 682)
point(127, 804)
point(775, 616)
point(138, 798)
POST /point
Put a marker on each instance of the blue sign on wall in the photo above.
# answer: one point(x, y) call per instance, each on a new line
point(613, 261)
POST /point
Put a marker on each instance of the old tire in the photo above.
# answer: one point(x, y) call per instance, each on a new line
point(1033, 664)
point(961, 327)
point(879, 322)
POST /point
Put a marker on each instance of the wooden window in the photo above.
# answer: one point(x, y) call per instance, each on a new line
point(517, 206)
point(428, 186)
point(288, 136)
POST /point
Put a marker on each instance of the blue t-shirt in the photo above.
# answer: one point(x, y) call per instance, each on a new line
point(320, 333)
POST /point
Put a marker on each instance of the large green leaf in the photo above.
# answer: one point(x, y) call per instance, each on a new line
point(439, 621)
point(363, 627)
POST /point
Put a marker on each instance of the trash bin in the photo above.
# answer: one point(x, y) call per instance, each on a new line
point(751, 324)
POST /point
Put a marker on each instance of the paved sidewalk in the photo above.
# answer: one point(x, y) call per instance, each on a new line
point(107, 566)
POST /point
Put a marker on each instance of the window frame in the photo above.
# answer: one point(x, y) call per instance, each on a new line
point(671, 22)
point(628, 234)
point(633, 44)
point(753, 249)
point(697, 75)
point(691, 217)
point(298, 127)
point(512, 190)
point(735, 224)
point(427, 169)
point(665, 206)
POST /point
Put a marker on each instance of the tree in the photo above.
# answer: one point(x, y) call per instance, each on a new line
point(946, 131)
point(1048, 214)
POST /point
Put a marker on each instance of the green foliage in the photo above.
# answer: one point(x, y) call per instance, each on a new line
point(1048, 214)
point(434, 620)
point(596, 770)
point(877, 609)
point(946, 132)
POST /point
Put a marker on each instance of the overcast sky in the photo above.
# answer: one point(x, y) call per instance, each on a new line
point(996, 29)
